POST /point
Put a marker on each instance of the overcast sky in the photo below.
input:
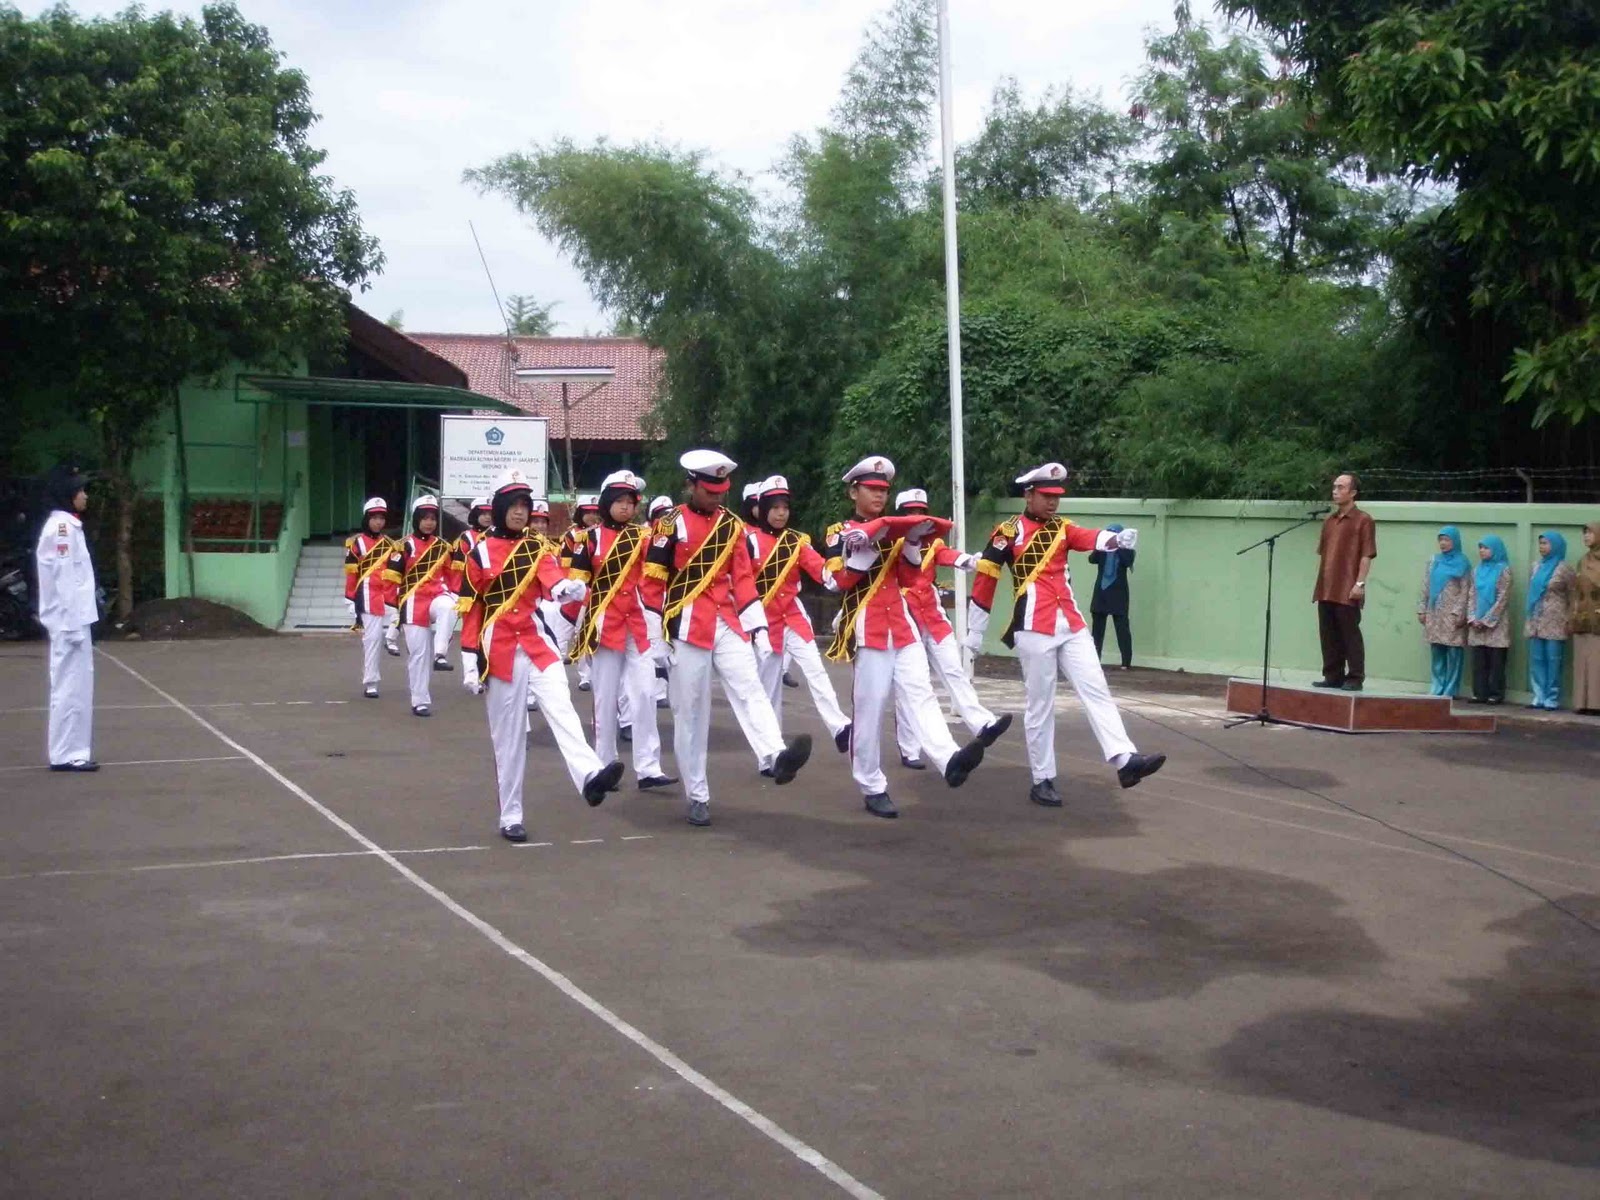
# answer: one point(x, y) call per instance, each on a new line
point(413, 93)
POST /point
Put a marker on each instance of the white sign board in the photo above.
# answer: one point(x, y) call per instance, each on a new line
point(473, 451)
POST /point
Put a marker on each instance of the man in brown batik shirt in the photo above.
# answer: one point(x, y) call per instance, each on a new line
point(1347, 547)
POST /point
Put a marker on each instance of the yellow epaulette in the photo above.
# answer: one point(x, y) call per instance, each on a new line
point(1010, 528)
point(666, 523)
point(392, 577)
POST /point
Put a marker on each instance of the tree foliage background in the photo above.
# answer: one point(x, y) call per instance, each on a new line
point(1274, 265)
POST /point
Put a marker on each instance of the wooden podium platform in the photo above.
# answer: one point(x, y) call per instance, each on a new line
point(1354, 712)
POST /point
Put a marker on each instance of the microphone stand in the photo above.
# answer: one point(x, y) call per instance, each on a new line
point(1263, 717)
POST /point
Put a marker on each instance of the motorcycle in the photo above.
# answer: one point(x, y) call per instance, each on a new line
point(17, 618)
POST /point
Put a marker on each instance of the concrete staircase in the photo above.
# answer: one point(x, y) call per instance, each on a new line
point(317, 599)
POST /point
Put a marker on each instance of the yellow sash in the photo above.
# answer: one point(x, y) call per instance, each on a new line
point(710, 560)
point(428, 568)
point(1030, 564)
point(613, 573)
point(772, 577)
point(844, 638)
point(377, 556)
point(503, 592)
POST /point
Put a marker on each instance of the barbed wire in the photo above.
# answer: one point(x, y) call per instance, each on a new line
point(1516, 485)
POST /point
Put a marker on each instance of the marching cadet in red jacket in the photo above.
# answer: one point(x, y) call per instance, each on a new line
point(418, 576)
point(564, 618)
point(478, 518)
point(366, 558)
point(780, 555)
point(876, 633)
point(700, 600)
point(610, 562)
point(918, 567)
point(503, 645)
point(1047, 630)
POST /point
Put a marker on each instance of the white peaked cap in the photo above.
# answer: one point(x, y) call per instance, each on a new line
point(911, 496)
point(875, 469)
point(708, 462)
point(424, 502)
point(773, 485)
point(512, 481)
point(751, 489)
point(626, 480)
point(482, 502)
point(376, 504)
point(660, 504)
point(588, 500)
point(1052, 477)
point(539, 508)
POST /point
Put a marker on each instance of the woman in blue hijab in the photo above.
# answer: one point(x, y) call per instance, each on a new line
point(1549, 625)
point(1442, 611)
point(1488, 629)
point(1111, 598)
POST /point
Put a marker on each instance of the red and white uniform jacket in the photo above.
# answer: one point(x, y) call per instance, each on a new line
point(366, 559)
point(882, 620)
point(919, 585)
point(506, 578)
point(726, 593)
point(418, 574)
point(615, 600)
point(458, 557)
point(1038, 550)
point(566, 548)
point(778, 583)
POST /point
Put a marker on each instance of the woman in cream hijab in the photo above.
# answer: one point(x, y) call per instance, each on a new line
point(1586, 626)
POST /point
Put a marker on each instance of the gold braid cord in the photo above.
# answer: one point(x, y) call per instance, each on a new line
point(703, 567)
point(775, 571)
point(608, 581)
point(843, 649)
point(423, 569)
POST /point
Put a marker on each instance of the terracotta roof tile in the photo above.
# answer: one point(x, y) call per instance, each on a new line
point(611, 414)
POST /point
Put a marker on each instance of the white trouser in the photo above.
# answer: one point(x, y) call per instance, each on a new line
point(391, 626)
point(1072, 655)
point(944, 665)
point(373, 632)
point(508, 726)
point(734, 663)
point(442, 616)
point(419, 664)
point(797, 650)
point(71, 696)
point(625, 700)
point(625, 679)
point(660, 692)
point(879, 673)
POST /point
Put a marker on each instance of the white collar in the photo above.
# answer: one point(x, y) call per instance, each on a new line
point(73, 517)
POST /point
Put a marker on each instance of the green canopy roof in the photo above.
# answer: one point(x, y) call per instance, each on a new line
point(363, 393)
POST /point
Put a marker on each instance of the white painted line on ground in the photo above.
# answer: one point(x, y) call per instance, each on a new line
point(812, 1158)
point(98, 708)
point(639, 837)
point(144, 762)
point(229, 862)
point(299, 701)
point(262, 703)
point(531, 845)
point(587, 841)
point(223, 704)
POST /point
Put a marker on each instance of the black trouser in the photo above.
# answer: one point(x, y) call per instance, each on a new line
point(1489, 672)
point(1344, 651)
point(1124, 635)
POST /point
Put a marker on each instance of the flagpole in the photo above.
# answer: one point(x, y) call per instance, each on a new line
point(952, 301)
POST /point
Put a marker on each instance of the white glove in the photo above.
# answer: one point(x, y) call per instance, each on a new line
point(974, 640)
point(652, 627)
point(911, 552)
point(350, 609)
point(660, 652)
point(568, 591)
point(1128, 539)
point(469, 672)
point(967, 563)
point(762, 641)
point(919, 531)
point(977, 625)
point(861, 554)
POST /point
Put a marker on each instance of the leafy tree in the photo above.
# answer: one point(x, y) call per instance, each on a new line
point(1500, 100)
point(529, 318)
point(161, 215)
point(397, 320)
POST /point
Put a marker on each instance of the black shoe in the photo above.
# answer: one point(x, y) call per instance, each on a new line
point(788, 763)
point(699, 812)
point(625, 733)
point(1477, 700)
point(790, 681)
point(514, 833)
point(441, 663)
point(991, 732)
point(370, 691)
point(584, 685)
point(842, 739)
point(963, 763)
point(602, 781)
point(1327, 683)
point(766, 772)
point(77, 764)
point(1350, 685)
point(394, 650)
point(1495, 700)
point(1044, 793)
point(650, 782)
point(1137, 767)
point(421, 710)
point(879, 805)
point(663, 703)
point(913, 764)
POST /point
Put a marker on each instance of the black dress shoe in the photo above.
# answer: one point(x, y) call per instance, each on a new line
point(879, 805)
point(370, 691)
point(963, 763)
point(625, 733)
point(651, 782)
point(77, 764)
point(1327, 683)
point(514, 833)
point(421, 710)
point(766, 772)
point(913, 764)
point(790, 681)
point(1044, 792)
point(793, 756)
point(1350, 685)
point(699, 813)
point(394, 650)
point(1476, 700)
point(1137, 767)
point(441, 663)
point(584, 685)
point(663, 703)
point(601, 782)
point(991, 732)
point(842, 739)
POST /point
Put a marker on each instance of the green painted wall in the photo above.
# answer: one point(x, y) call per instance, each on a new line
point(1197, 605)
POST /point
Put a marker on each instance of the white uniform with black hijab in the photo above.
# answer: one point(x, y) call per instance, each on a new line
point(67, 609)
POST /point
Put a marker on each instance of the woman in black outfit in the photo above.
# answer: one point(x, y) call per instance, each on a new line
point(1111, 597)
